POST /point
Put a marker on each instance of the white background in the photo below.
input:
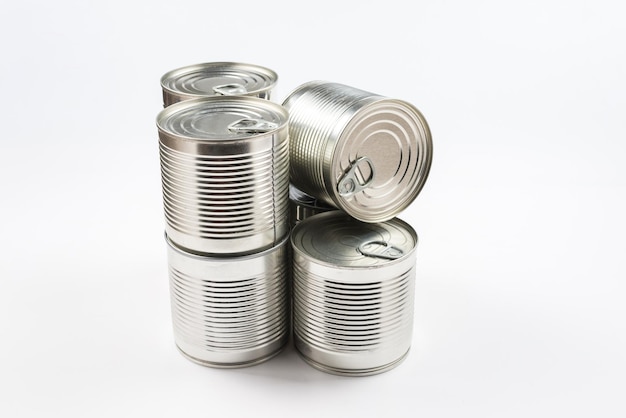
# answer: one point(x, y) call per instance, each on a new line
point(521, 275)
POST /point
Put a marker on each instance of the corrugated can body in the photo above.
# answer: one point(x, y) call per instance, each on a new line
point(360, 152)
point(230, 312)
point(217, 79)
point(302, 206)
point(353, 293)
point(224, 166)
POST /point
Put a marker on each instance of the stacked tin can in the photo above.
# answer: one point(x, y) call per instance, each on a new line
point(354, 159)
point(224, 152)
point(354, 268)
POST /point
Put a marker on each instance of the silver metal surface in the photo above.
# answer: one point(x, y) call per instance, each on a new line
point(350, 183)
point(230, 312)
point(224, 166)
point(363, 153)
point(217, 79)
point(301, 205)
point(353, 292)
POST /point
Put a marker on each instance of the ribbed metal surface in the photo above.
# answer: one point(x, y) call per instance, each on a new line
point(217, 78)
point(224, 196)
point(314, 118)
point(218, 199)
point(353, 314)
point(383, 145)
point(229, 312)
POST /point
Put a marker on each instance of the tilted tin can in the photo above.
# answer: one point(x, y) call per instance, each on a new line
point(363, 153)
point(301, 206)
point(353, 292)
point(224, 166)
point(217, 79)
point(230, 311)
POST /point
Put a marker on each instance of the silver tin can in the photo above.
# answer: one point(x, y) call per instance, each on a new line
point(217, 79)
point(353, 293)
point(225, 169)
point(363, 153)
point(231, 311)
point(302, 206)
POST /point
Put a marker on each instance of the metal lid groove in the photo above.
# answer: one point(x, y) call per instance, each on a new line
point(394, 140)
point(218, 78)
point(217, 118)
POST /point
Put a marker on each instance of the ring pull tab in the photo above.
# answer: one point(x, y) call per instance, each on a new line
point(251, 126)
point(230, 89)
point(353, 180)
point(380, 249)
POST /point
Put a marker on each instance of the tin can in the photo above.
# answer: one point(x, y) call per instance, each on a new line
point(230, 311)
point(360, 152)
point(217, 79)
point(353, 293)
point(301, 206)
point(225, 169)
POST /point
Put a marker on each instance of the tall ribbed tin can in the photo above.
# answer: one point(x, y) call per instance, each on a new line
point(361, 152)
point(230, 311)
point(301, 206)
point(353, 292)
point(217, 79)
point(224, 166)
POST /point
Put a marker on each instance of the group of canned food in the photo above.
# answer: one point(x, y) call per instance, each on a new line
point(284, 214)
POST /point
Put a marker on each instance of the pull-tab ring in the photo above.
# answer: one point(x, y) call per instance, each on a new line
point(380, 249)
point(251, 126)
point(230, 89)
point(351, 183)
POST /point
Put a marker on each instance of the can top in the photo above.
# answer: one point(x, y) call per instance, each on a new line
point(219, 79)
point(338, 240)
point(381, 161)
point(220, 118)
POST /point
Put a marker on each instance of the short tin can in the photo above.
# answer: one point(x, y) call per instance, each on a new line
point(363, 153)
point(224, 166)
point(231, 311)
point(301, 205)
point(353, 293)
point(217, 79)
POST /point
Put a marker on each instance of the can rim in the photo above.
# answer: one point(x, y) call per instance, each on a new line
point(197, 102)
point(388, 213)
point(273, 76)
point(225, 257)
point(334, 266)
point(350, 372)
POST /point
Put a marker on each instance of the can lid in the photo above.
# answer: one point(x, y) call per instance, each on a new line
point(381, 160)
point(222, 118)
point(336, 239)
point(219, 79)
